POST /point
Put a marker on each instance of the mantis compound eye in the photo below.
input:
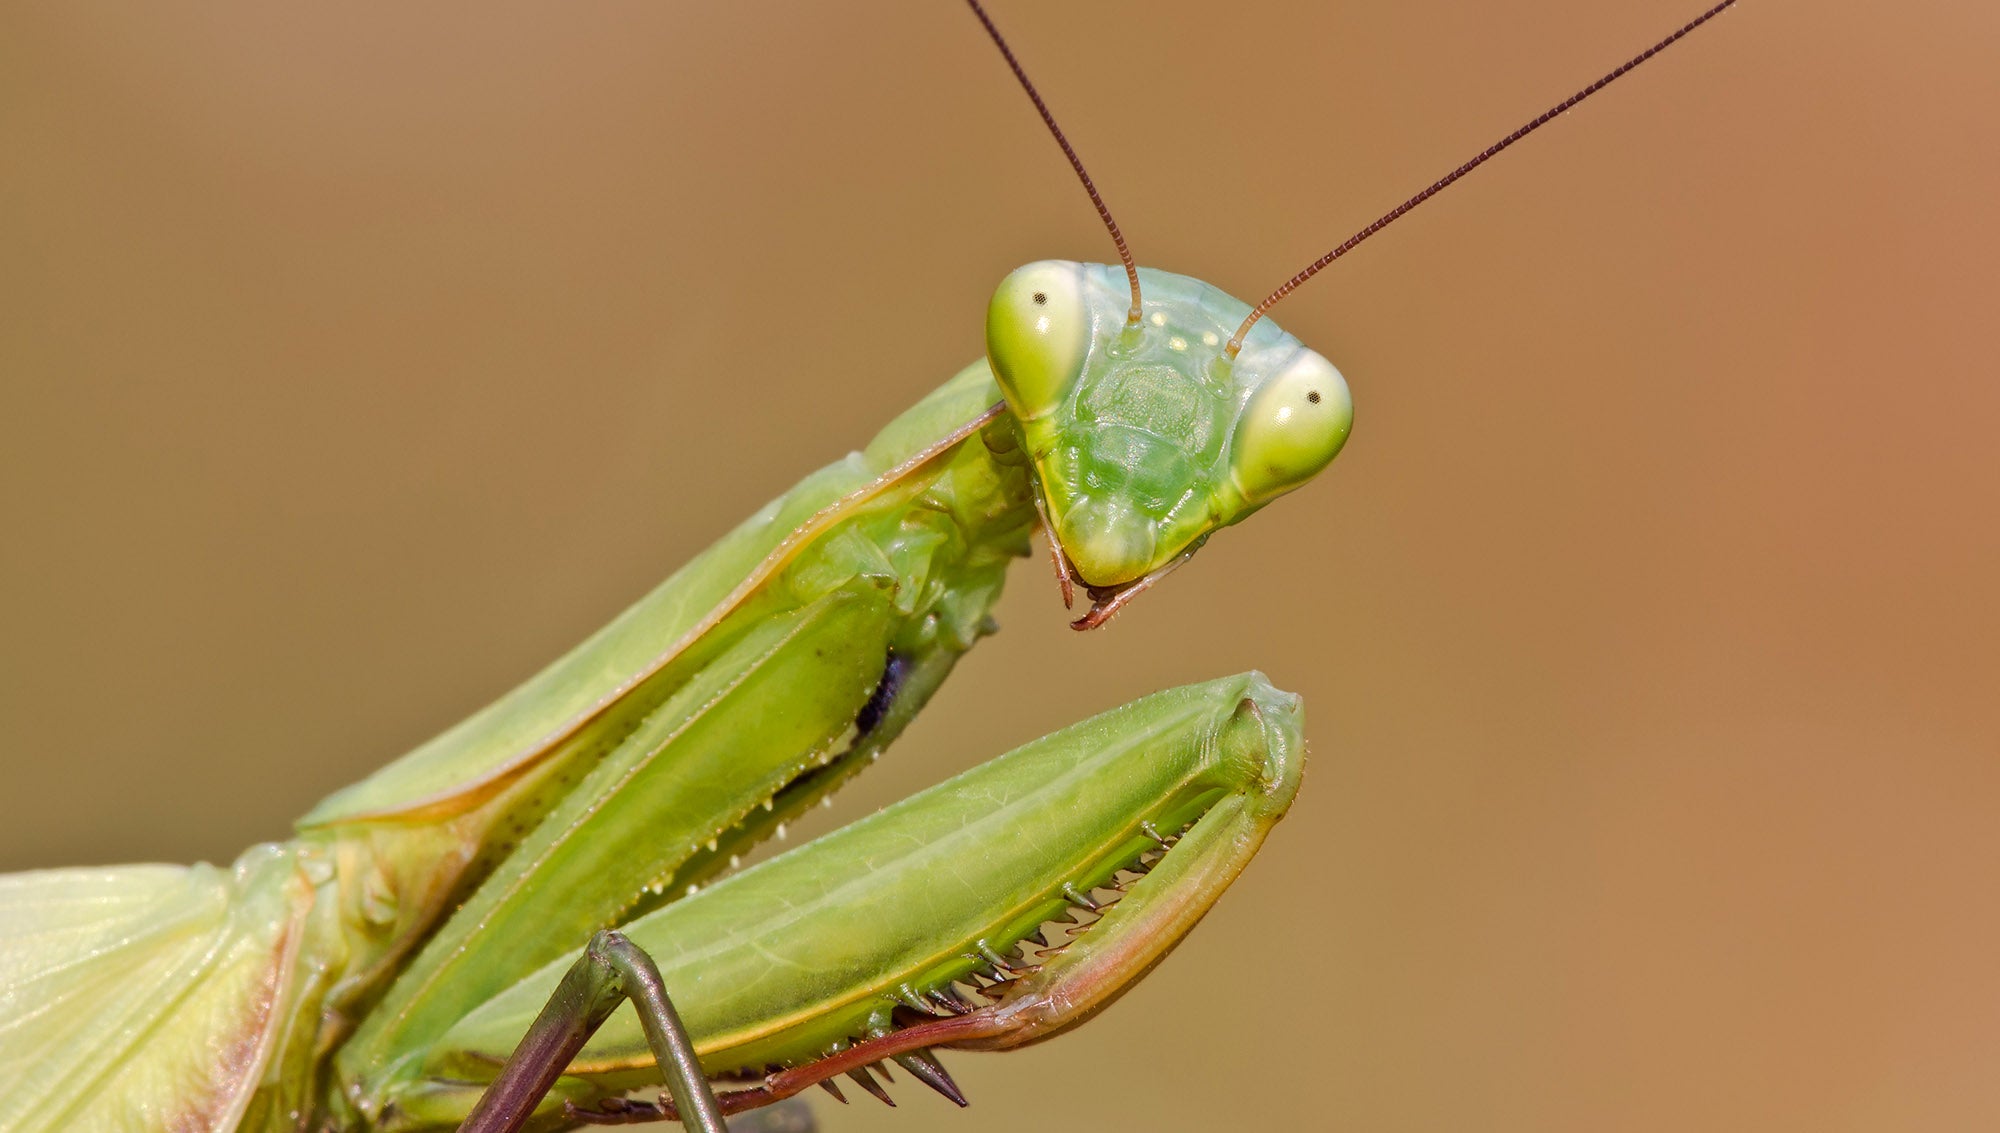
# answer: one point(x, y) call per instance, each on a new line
point(1037, 335)
point(1292, 426)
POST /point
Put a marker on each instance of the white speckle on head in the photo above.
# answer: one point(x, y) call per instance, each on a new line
point(1177, 343)
point(1042, 325)
point(1159, 319)
point(1210, 338)
point(781, 832)
point(693, 889)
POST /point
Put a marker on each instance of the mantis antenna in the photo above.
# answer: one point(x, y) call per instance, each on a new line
point(1436, 187)
point(1076, 163)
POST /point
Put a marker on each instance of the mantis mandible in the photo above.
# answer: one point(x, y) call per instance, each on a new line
point(378, 970)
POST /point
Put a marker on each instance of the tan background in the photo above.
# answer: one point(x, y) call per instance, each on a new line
point(357, 360)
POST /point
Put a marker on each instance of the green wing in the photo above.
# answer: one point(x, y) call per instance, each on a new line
point(143, 997)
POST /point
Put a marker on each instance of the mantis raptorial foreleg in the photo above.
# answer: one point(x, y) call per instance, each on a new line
point(994, 910)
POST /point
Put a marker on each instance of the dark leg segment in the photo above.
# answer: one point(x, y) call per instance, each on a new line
point(612, 970)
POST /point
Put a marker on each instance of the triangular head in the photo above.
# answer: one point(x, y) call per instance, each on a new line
point(1155, 408)
point(1146, 436)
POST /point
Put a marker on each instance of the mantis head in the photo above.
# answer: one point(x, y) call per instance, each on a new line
point(1148, 434)
point(1156, 409)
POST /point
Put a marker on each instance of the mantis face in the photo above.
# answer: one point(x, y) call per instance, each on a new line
point(1147, 436)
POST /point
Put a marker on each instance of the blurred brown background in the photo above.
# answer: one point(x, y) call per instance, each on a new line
point(358, 359)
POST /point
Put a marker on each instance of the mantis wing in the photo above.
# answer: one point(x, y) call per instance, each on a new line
point(143, 997)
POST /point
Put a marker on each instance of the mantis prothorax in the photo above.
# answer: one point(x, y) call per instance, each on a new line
point(557, 853)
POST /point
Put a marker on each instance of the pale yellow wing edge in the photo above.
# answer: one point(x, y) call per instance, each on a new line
point(144, 998)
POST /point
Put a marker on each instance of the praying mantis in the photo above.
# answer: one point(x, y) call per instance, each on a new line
point(780, 594)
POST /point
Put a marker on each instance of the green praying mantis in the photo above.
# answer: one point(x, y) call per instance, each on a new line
point(381, 969)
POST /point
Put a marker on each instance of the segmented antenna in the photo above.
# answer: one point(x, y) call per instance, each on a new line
point(1076, 163)
point(1346, 246)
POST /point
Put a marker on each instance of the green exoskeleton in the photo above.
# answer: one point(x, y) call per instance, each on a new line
point(380, 970)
